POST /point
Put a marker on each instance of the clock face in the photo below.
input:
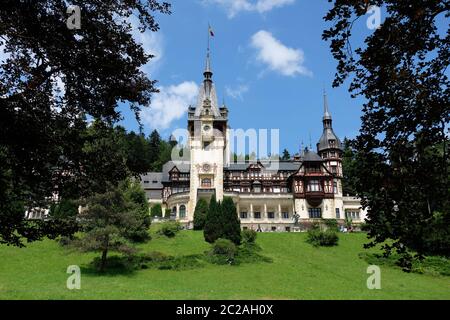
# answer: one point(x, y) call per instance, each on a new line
point(206, 167)
point(206, 128)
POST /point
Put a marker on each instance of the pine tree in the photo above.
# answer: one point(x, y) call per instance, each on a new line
point(231, 225)
point(154, 148)
point(156, 211)
point(286, 155)
point(200, 213)
point(213, 223)
point(107, 220)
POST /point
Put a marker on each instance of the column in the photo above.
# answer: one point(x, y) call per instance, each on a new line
point(279, 211)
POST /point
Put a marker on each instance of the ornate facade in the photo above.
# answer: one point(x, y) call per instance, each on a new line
point(269, 195)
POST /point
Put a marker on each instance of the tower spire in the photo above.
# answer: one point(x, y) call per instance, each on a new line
point(326, 111)
point(208, 52)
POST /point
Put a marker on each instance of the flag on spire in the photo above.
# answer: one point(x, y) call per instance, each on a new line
point(211, 32)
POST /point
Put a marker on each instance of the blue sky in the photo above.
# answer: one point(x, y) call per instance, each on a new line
point(269, 62)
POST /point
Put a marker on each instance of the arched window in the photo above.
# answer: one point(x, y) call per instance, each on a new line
point(174, 211)
point(206, 183)
point(182, 211)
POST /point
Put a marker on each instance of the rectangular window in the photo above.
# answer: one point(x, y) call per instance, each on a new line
point(271, 215)
point(285, 215)
point(244, 215)
point(315, 213)
point(313, 186)
point(288, 229)
point(274, 228)
point(338, 213)
point(257, 215)
point(353, 214)
point(335, 185)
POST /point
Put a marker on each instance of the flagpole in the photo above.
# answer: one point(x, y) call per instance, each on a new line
point(209, 37)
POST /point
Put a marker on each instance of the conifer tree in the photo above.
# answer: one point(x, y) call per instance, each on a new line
point(200, 213)
point(231, 225)
point(213, 223)
point(156, 211)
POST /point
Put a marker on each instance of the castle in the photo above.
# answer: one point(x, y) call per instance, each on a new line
point(270, 195)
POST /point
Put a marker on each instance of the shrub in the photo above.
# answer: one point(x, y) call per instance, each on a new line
point(223, 252)
point(224, 247)
point(155, 256)
point(249, 236)
point(169, 228)
point(326, 238)
point(332, 224)
point(156, 211)
point(64, 209)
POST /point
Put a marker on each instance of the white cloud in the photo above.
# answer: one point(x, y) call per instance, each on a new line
point(152, 42)
point(237, 92)
point(233, 7)
point(169, 104)
point(277, 56)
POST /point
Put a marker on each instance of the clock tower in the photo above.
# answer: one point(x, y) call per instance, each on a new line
point(208, 131)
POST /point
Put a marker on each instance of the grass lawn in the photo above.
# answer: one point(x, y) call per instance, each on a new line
point(298, 271)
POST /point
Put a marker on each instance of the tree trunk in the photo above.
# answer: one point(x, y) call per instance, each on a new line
point(103, 262)
point(104, 254)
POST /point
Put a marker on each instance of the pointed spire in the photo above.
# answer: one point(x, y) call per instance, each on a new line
point(208, 54)
point(328, 140)
point(208, 62)
point(326, 111)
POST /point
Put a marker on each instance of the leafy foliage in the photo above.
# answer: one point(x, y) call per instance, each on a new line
point(286, 155)
point(156, 211)
point(331, 224)
point(231, 224)
point(213, 224)
point(200, 213)
point(318, 237)
point(51, 80)
point(249, 236)
point(64, 209)
point(135, 197)
point(169, 228)
point(349, 169)
point(401, 153)
point(106, 222)
point(223, 251)
point(222, 221)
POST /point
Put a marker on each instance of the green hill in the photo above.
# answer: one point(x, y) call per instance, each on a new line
point(297, 271)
